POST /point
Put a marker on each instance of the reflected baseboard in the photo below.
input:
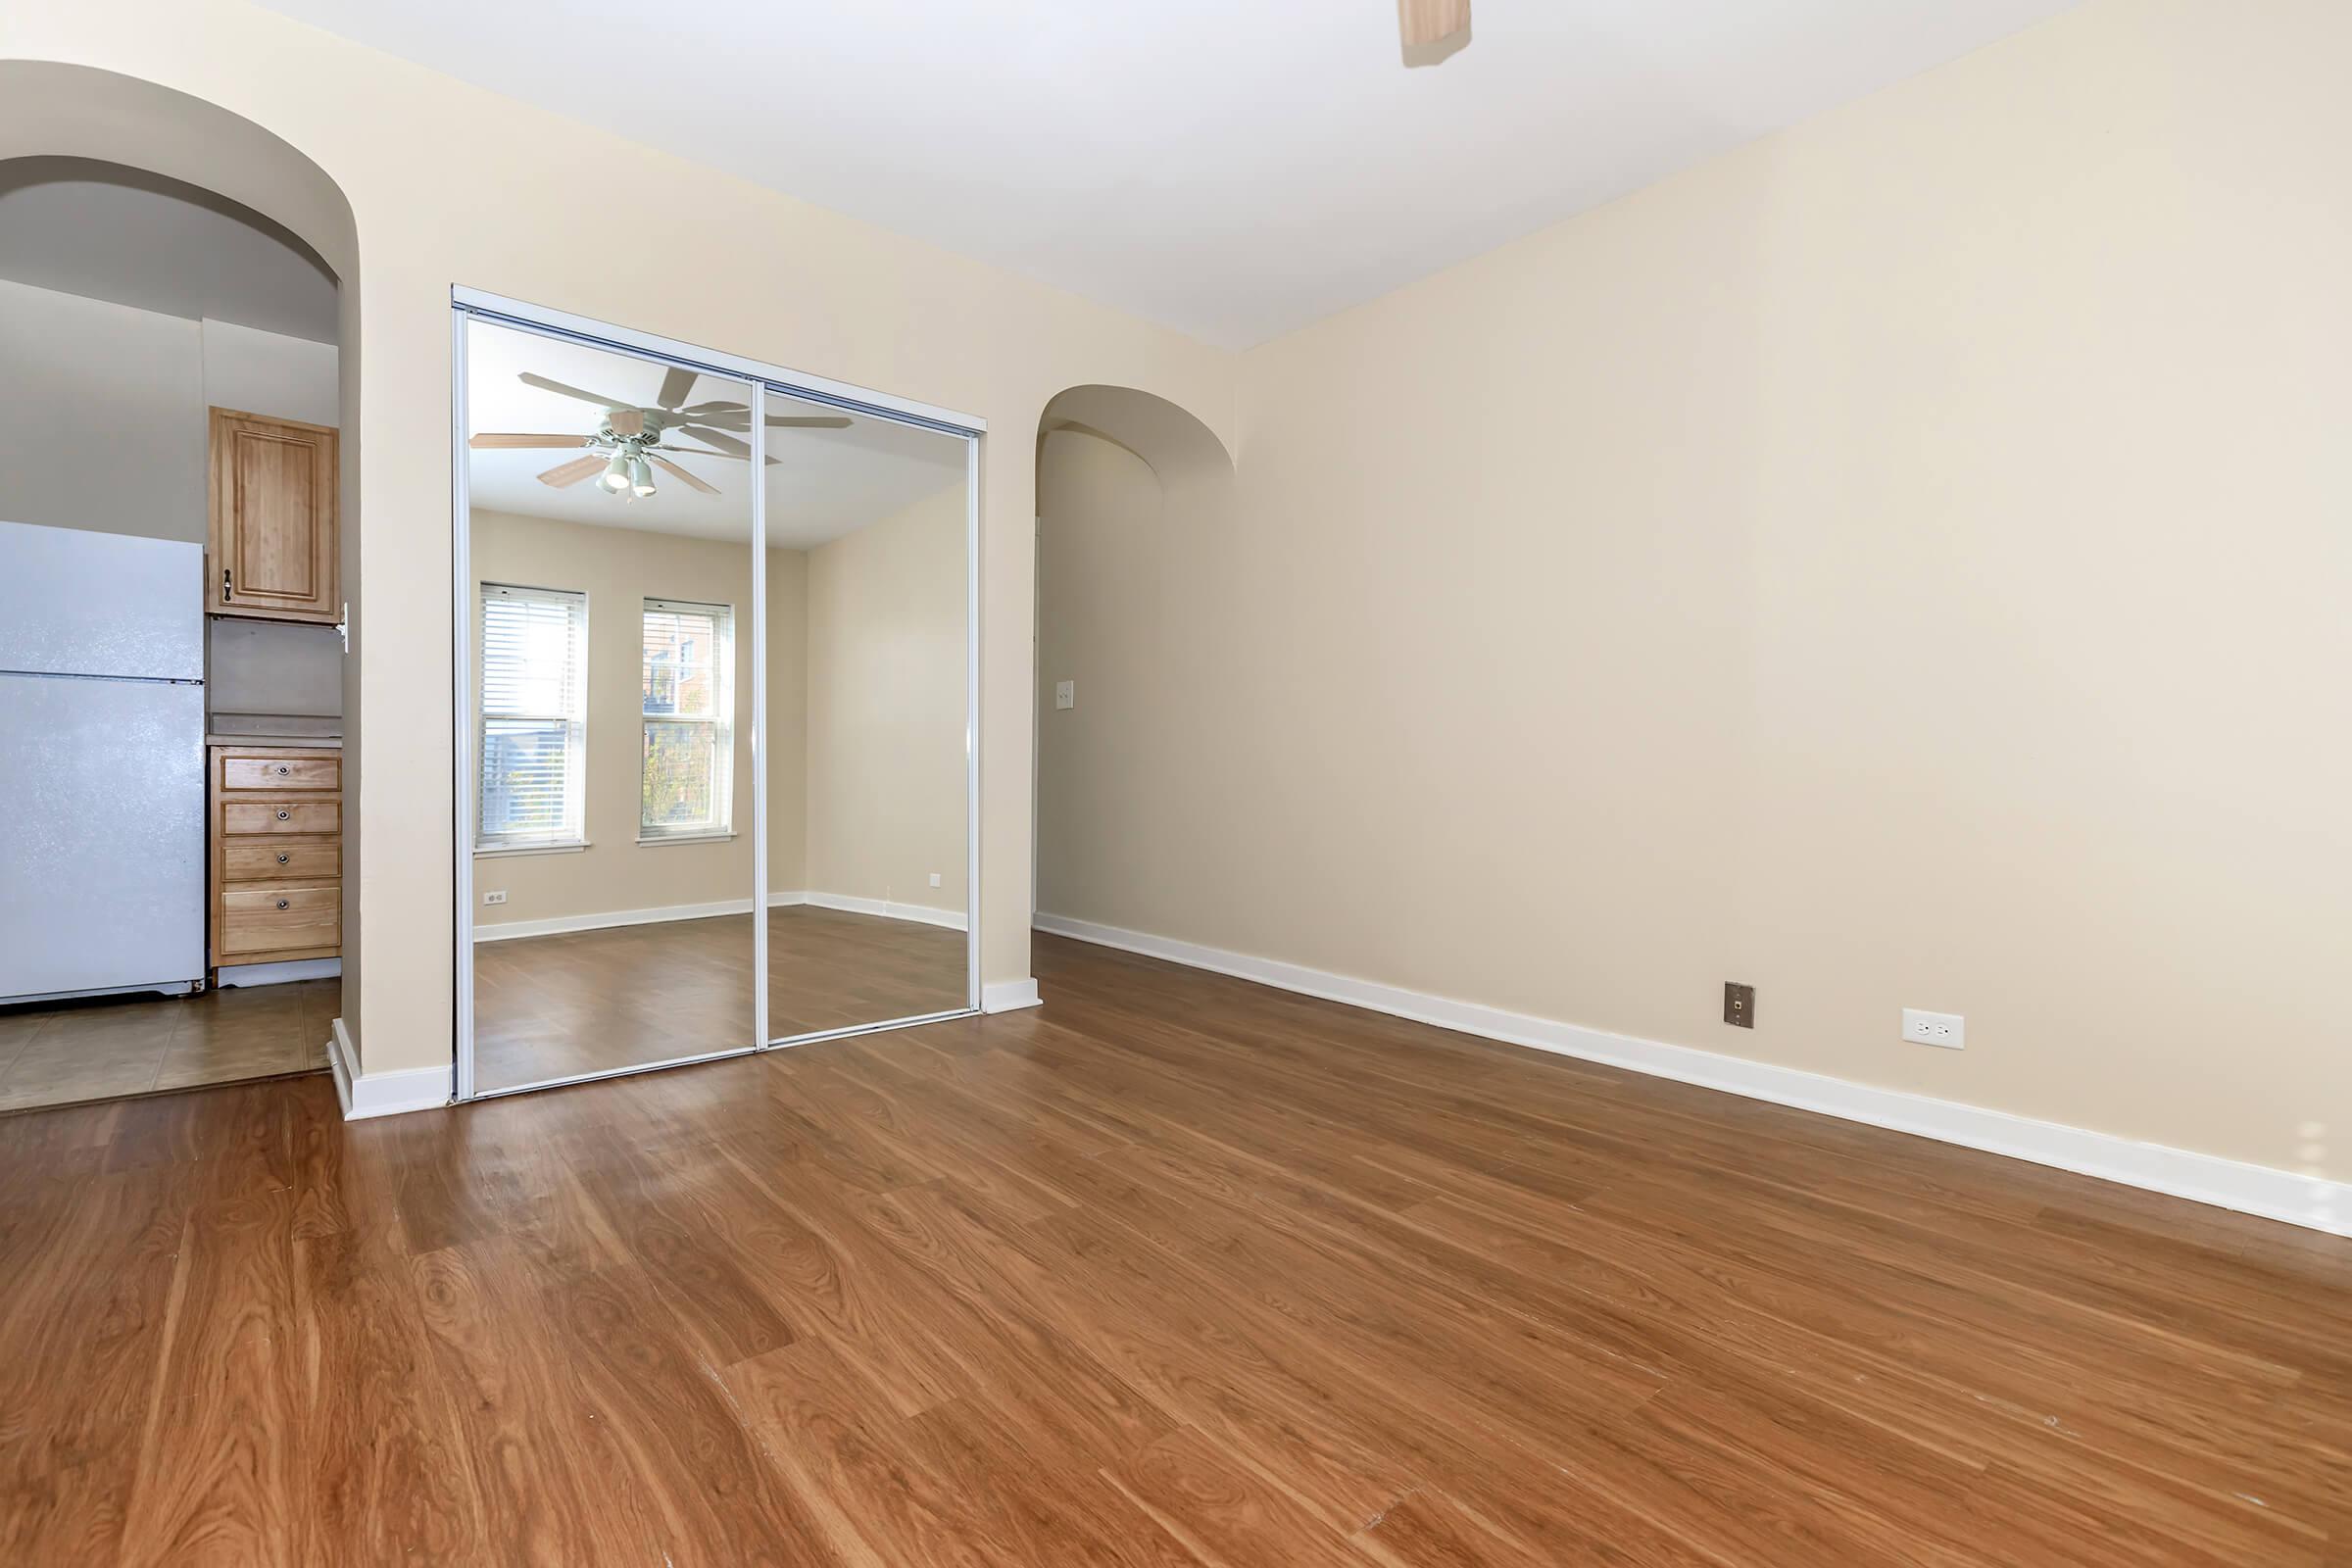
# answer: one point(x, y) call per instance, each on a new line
point(921, 914)
point(509, 930)
point(887, 908)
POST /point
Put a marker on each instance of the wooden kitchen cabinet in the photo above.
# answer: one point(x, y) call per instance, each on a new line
point(277, 853)
point(273, 540)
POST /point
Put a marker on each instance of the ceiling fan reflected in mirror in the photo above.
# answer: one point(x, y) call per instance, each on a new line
point(634, 438)
point(1433, 32)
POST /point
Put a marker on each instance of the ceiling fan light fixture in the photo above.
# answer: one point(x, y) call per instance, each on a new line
point(615, 476)
point(641, 476)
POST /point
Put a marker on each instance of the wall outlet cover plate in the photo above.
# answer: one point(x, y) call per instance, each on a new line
point(1947, 1029)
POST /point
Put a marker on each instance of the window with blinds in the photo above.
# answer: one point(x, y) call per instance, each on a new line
point(533, 735)
point(689, 716)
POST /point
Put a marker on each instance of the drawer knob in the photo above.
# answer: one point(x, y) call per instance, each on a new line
point(283, 814)
point(284, 904)
point(284, 858)
point(283, 770)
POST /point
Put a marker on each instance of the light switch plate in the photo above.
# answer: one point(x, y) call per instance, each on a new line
point(934, 879)
point(1065, 693)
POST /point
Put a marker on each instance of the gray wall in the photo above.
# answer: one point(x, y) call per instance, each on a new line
point(105, 408)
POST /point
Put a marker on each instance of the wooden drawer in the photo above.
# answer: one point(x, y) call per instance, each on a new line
point(289, 814)
point(267, 772)
point(277, 919)
point(282, 860)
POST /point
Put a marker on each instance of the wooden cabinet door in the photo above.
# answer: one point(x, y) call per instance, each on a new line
point(274, 534)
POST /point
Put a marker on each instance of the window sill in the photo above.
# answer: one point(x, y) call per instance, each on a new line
point(483, 852)
point(648, 842)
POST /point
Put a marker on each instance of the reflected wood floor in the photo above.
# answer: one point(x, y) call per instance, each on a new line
point(101, 1047)
point(1174, 1270)
point(560, 1007)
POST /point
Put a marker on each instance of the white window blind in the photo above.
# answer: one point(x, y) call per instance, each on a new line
point(689, 716)
point(533, 739)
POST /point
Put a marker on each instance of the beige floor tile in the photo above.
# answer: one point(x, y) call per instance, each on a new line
point(226, 1055)
point(63, 1066)
point(17, 1030)
point(92, 1051)
point(275, 1028)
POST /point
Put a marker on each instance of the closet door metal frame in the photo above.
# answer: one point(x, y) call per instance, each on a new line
point(473, 305)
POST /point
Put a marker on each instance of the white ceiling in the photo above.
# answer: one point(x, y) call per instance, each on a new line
point(107, 233)
point(1231, 168)
point(823, 484)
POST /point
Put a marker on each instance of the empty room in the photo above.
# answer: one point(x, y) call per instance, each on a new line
point(1426, 783)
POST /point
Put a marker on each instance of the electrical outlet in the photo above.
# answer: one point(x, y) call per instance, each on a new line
point(1947, 1029)
point(1739, 1004)
point(1065, 693)
point(494, 898)
point(934, 879)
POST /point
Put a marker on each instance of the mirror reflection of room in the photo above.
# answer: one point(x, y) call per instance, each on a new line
point(613, 627)
point(867, 533)
point(610, 526)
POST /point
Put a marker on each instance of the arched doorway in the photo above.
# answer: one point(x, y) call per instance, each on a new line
point(1136, 514)
point(83, 138)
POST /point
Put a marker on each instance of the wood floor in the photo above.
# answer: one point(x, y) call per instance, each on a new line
point(1174, 1270)
point(585, 1001)
point(57, 1054)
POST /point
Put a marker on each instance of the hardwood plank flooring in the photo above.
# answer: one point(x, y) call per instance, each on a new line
point(1173, 1270)
point(584, 1001)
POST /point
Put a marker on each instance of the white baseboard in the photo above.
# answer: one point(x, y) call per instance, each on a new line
point(277, 974)
point(1009, 996)
point(888, 910)
point(384, 1094)
point(509, 930)
point(2313, 1202)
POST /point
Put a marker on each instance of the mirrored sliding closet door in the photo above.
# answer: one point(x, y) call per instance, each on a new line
point(610, 562)
point(718, 734)
point(869, 681)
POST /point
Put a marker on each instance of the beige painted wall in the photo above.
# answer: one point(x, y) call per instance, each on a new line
point(886, 707)
point(1903, 562)
point(788, 721)
point(451, 184)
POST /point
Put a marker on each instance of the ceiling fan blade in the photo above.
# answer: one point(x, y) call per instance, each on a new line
point(1432, 30)
point(724, 457)
point(717, 438)
point(701, 408)
point(573, 473)
point(811, 422)
point(502, 438)
point(627, 421)
point(676, 382)
point(667, 467)
point(545, 385)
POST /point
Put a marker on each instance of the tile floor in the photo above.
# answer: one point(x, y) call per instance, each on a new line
point(96, 1049)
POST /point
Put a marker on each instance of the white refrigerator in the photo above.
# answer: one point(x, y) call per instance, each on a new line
point(101, 763)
